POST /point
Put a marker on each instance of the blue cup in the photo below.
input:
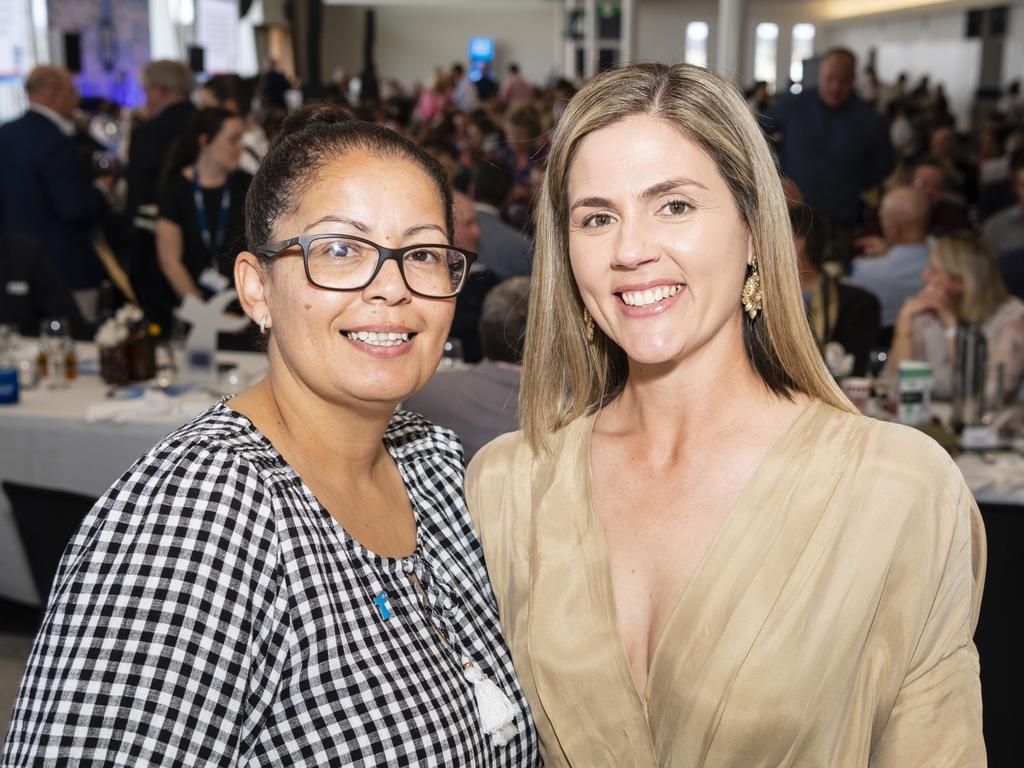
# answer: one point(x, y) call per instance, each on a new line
point(8, 386)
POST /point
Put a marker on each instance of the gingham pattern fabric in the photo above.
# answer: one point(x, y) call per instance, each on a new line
point(210, 612)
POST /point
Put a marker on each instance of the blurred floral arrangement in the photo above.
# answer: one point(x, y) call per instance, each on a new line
point(127, 345)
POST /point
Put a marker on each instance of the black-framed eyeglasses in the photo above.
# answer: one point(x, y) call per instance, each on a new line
point(349, 263)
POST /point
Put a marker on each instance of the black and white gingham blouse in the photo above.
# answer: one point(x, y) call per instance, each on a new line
point(210, 612)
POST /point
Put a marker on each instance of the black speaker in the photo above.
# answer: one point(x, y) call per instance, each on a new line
point(73, 51)
point(975, 20)
point(997, 21)
point(196, 57)
point(996, 18)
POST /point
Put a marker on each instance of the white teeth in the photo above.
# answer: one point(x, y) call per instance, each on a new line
point(383, 339)
point(650, 296)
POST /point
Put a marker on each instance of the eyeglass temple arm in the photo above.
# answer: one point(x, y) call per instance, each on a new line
point(272, 249)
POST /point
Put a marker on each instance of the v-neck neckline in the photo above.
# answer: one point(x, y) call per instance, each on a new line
point(601, 546)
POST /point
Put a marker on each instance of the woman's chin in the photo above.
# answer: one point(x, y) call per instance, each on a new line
point(652, 352)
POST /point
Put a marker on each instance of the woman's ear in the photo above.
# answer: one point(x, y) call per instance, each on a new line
point(252, 282)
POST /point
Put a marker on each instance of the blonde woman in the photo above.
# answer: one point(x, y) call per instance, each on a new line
point(963, 284)
point(702, 555)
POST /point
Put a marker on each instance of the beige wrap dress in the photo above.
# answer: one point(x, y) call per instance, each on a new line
point(829, 623)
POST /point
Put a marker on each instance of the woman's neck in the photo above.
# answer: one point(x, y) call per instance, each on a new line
point(682, 403)
point(315, 435)
point(210, 174)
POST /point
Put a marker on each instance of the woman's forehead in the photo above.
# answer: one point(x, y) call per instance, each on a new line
point(376, 193)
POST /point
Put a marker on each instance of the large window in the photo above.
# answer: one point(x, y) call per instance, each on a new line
point(766, 44)
point(696, 51)
point(803, 48)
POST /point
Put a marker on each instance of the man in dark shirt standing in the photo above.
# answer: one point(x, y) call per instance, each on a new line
point(834, 146)
point(168, 85)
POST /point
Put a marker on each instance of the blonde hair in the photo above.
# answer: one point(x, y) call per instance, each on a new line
point(564, 376)
point(967, 257)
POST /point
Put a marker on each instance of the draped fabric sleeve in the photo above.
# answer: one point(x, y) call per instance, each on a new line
point(487, 479)
point(936, 718)
point(164, 634)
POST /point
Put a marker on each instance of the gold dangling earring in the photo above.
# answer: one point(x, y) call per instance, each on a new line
point(751, 297)
point(588, 326)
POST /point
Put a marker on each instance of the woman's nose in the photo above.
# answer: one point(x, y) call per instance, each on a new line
point(634, 247)
point(388, 285)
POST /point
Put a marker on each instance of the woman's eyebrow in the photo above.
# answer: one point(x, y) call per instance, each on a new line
point(668, 185)
point(417, 228)
point(341, 220)
point(591, 202)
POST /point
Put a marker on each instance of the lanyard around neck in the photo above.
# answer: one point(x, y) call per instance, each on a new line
point(210, 240)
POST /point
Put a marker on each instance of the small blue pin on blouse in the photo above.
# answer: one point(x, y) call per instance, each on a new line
point(383, 604)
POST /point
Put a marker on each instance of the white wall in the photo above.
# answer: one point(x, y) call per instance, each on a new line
point(786, 15)
point(661, 30)
point(412, 40)
point(923, 43)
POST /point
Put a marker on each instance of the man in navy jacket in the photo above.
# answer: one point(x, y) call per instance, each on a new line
point(834, 146)
point(46, 191)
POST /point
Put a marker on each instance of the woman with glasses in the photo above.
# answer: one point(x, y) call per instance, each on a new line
point(293, 578)
point(702, 554)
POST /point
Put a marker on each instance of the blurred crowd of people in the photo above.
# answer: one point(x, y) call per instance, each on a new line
point(101, 206)
point(907, 228)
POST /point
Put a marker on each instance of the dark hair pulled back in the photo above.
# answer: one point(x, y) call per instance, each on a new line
point(185, 151)
point(310, 138)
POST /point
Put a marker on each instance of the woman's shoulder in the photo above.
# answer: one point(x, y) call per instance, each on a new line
point(498, 454)
point(218, 455)
point(222, 430)
point(240, 181)
point(1010, 312)
point(885, 454)
point(207, 487)
point(409, 435)
point(173, 188)
point(883, 437)
point(510, 458)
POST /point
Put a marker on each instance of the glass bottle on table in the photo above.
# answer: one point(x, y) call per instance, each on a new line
point(54, 339)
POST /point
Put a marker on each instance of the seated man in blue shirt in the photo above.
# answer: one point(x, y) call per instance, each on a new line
point(834, 146)
point(895, 276)
point(481, 402)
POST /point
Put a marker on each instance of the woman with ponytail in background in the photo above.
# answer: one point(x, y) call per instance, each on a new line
point(201, 224)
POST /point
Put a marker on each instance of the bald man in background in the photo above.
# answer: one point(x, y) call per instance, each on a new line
point(46, 192)
point(895, 275)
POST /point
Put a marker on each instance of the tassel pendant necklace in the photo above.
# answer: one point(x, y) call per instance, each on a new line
point(495, 710)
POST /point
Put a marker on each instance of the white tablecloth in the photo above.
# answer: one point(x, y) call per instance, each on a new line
point(46, 440)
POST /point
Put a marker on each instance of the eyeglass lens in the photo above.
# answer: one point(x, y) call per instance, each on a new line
point(337, 262)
